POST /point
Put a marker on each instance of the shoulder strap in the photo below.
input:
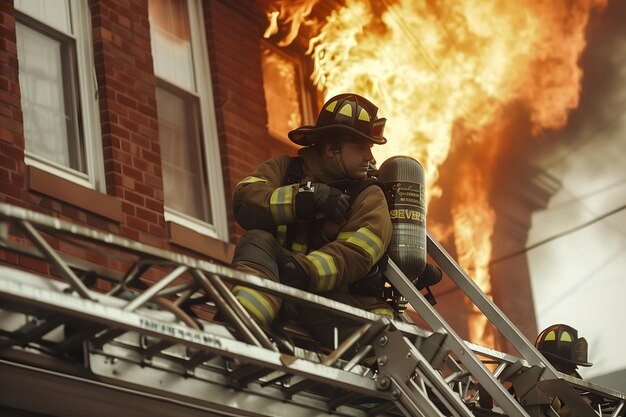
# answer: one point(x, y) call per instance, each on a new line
point(294, 172)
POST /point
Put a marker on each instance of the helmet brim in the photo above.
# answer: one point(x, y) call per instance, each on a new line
point(308, 135)
point(549, 355)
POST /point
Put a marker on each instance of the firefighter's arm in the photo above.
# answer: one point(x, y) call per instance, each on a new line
point(260, 201)
point(361, 243)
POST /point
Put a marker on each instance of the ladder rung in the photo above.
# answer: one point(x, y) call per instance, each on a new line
point(155, 348)
point(78, 338)
point(245, 374)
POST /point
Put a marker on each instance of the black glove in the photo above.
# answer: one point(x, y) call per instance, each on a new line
point(292, 274)
point(431, 275)
point(322, 198)
point(373, 284)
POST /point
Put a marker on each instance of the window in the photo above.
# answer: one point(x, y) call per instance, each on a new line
point(58, 91)
point(286, 99)
point(192, 176)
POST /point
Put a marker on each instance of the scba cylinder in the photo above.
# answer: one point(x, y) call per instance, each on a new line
point(405, 185)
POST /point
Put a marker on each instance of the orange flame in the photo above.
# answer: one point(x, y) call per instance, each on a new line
point(294, 13)
point(432, 66)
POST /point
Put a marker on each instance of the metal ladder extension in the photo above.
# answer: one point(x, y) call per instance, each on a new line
point(535, 383)
point(144, 321)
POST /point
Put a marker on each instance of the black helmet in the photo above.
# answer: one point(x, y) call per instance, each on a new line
point(348, 113)
point(561, 343)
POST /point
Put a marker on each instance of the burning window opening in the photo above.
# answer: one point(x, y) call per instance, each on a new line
point(285, 96)
point(443, 73)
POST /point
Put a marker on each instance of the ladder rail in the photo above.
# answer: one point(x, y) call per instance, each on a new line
point(16, 288)
point(207, 275)
point(504, 399)
point(258, 354)
point(52, 225)
point(488, 308)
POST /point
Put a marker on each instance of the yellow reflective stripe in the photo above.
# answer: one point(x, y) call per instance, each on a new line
point(300, 247)
point(326, 269)
point(344, 235)
point(281, 205)
point(256, 304)
point(551, 335)
point(382, 311)
point(346, 110)
point(281, 233)
point(249, 180)
point(369, 242)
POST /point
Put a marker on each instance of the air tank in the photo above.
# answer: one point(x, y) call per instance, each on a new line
point(405, 186)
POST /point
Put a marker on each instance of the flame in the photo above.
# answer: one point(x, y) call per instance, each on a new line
point(473, 223)
point(272, 29)
point(294, 12)
point(442, 72)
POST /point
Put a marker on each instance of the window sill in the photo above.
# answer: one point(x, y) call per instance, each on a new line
point(214, 248)
point(104, 205)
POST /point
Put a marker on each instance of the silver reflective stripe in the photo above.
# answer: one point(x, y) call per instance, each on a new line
point(255, 303)
point(326, 269)
point(369, 242)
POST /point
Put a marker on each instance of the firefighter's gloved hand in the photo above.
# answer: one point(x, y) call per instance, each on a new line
point(317, 197)
point(314, 198)
point(292, 274)
point(430, 276)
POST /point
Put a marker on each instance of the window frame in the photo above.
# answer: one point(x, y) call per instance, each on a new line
point(212, 168)
point(304, 89)
point(84, 101)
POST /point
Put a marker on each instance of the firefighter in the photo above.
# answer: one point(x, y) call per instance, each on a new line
point(562, 347)
point(303, 228)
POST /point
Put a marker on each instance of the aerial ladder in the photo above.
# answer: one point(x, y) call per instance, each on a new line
point(137, 317)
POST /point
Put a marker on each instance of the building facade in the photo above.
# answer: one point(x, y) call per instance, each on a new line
point(134, 117)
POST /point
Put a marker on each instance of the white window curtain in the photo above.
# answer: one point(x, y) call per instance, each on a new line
point(192, 178)
point(61, 125)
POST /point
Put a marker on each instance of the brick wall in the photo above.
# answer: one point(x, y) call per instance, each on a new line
point(132, 204)
point(12, 168)
point(233, 36)
point(128, 113)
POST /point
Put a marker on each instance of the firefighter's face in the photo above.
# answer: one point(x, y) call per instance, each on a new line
point(356, 158)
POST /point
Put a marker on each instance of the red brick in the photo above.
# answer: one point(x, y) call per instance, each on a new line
point(128, 208)
point(137, 223)
point(134, 197)
point(147, 215)
point(129, 233)
point(155, 205)
point(35, 265)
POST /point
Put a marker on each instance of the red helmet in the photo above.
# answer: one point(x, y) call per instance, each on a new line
point(560, 342)
point(346, 113)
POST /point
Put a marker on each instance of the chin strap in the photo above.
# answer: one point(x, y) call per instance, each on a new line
point(339, 161)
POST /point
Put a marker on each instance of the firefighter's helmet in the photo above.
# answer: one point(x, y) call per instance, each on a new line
point(348, 113)
point(560, 342)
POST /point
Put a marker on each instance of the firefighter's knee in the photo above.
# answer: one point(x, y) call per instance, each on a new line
point(262, 307)
point(258, 249)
